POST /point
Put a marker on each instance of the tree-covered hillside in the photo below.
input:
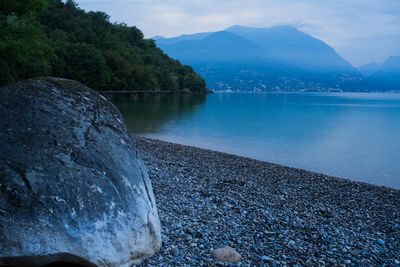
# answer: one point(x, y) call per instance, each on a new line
point(50, 37)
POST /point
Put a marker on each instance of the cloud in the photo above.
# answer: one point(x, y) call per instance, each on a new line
point(351, 27)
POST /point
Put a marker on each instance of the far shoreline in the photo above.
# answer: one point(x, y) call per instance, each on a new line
point(350, 180)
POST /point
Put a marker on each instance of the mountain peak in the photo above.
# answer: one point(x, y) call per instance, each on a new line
point(392, 63)
point(236, 27)
point(284, 27)
point(223, 34)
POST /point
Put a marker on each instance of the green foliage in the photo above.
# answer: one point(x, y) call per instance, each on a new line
point(20, 7)
point(24, 49)
point(63, 40)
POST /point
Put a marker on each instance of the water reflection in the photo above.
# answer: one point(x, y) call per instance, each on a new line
point(149, 114)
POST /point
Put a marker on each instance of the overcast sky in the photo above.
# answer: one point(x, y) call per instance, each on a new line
point(362, 31)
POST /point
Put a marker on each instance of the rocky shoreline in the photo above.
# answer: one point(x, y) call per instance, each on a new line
point(271, 214)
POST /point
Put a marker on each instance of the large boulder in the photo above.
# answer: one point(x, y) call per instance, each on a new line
point(70, 181)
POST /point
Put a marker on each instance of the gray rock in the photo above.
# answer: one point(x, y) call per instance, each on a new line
point(226, 254)
point(266, 258)
point(175, 251)
point(70, 181)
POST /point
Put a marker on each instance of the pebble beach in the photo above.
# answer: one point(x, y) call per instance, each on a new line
point(271, 215)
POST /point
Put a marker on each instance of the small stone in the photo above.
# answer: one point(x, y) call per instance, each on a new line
point(380, 241)
point(266, 258)
point(347, 261)
point(198, 235)
point(226, 254)
point(175, 251)
point(332, 261)
point(292, 243)
point(397, 262)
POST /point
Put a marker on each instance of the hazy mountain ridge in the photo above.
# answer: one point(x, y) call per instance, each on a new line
point(368, 69)
point(384, 75)
point(292, 47)
point(279, 58)
point(217, 47)
point(388, 74)
point(184, 37)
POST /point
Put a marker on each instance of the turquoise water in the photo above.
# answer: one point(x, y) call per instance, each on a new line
point(349, 135)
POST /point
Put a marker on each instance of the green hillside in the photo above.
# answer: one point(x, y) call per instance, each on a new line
point(49, 37)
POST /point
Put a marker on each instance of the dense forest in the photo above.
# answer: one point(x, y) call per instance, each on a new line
point(52, 37)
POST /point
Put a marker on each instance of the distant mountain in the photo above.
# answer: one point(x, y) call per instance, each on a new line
point(264, 59)
point(369, 68)
point(294, 48)
point(218, 47)
point(388, 74)
point(158, 37)
point(185, 37)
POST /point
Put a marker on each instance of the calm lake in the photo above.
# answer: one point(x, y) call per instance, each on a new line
point(349, 135)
